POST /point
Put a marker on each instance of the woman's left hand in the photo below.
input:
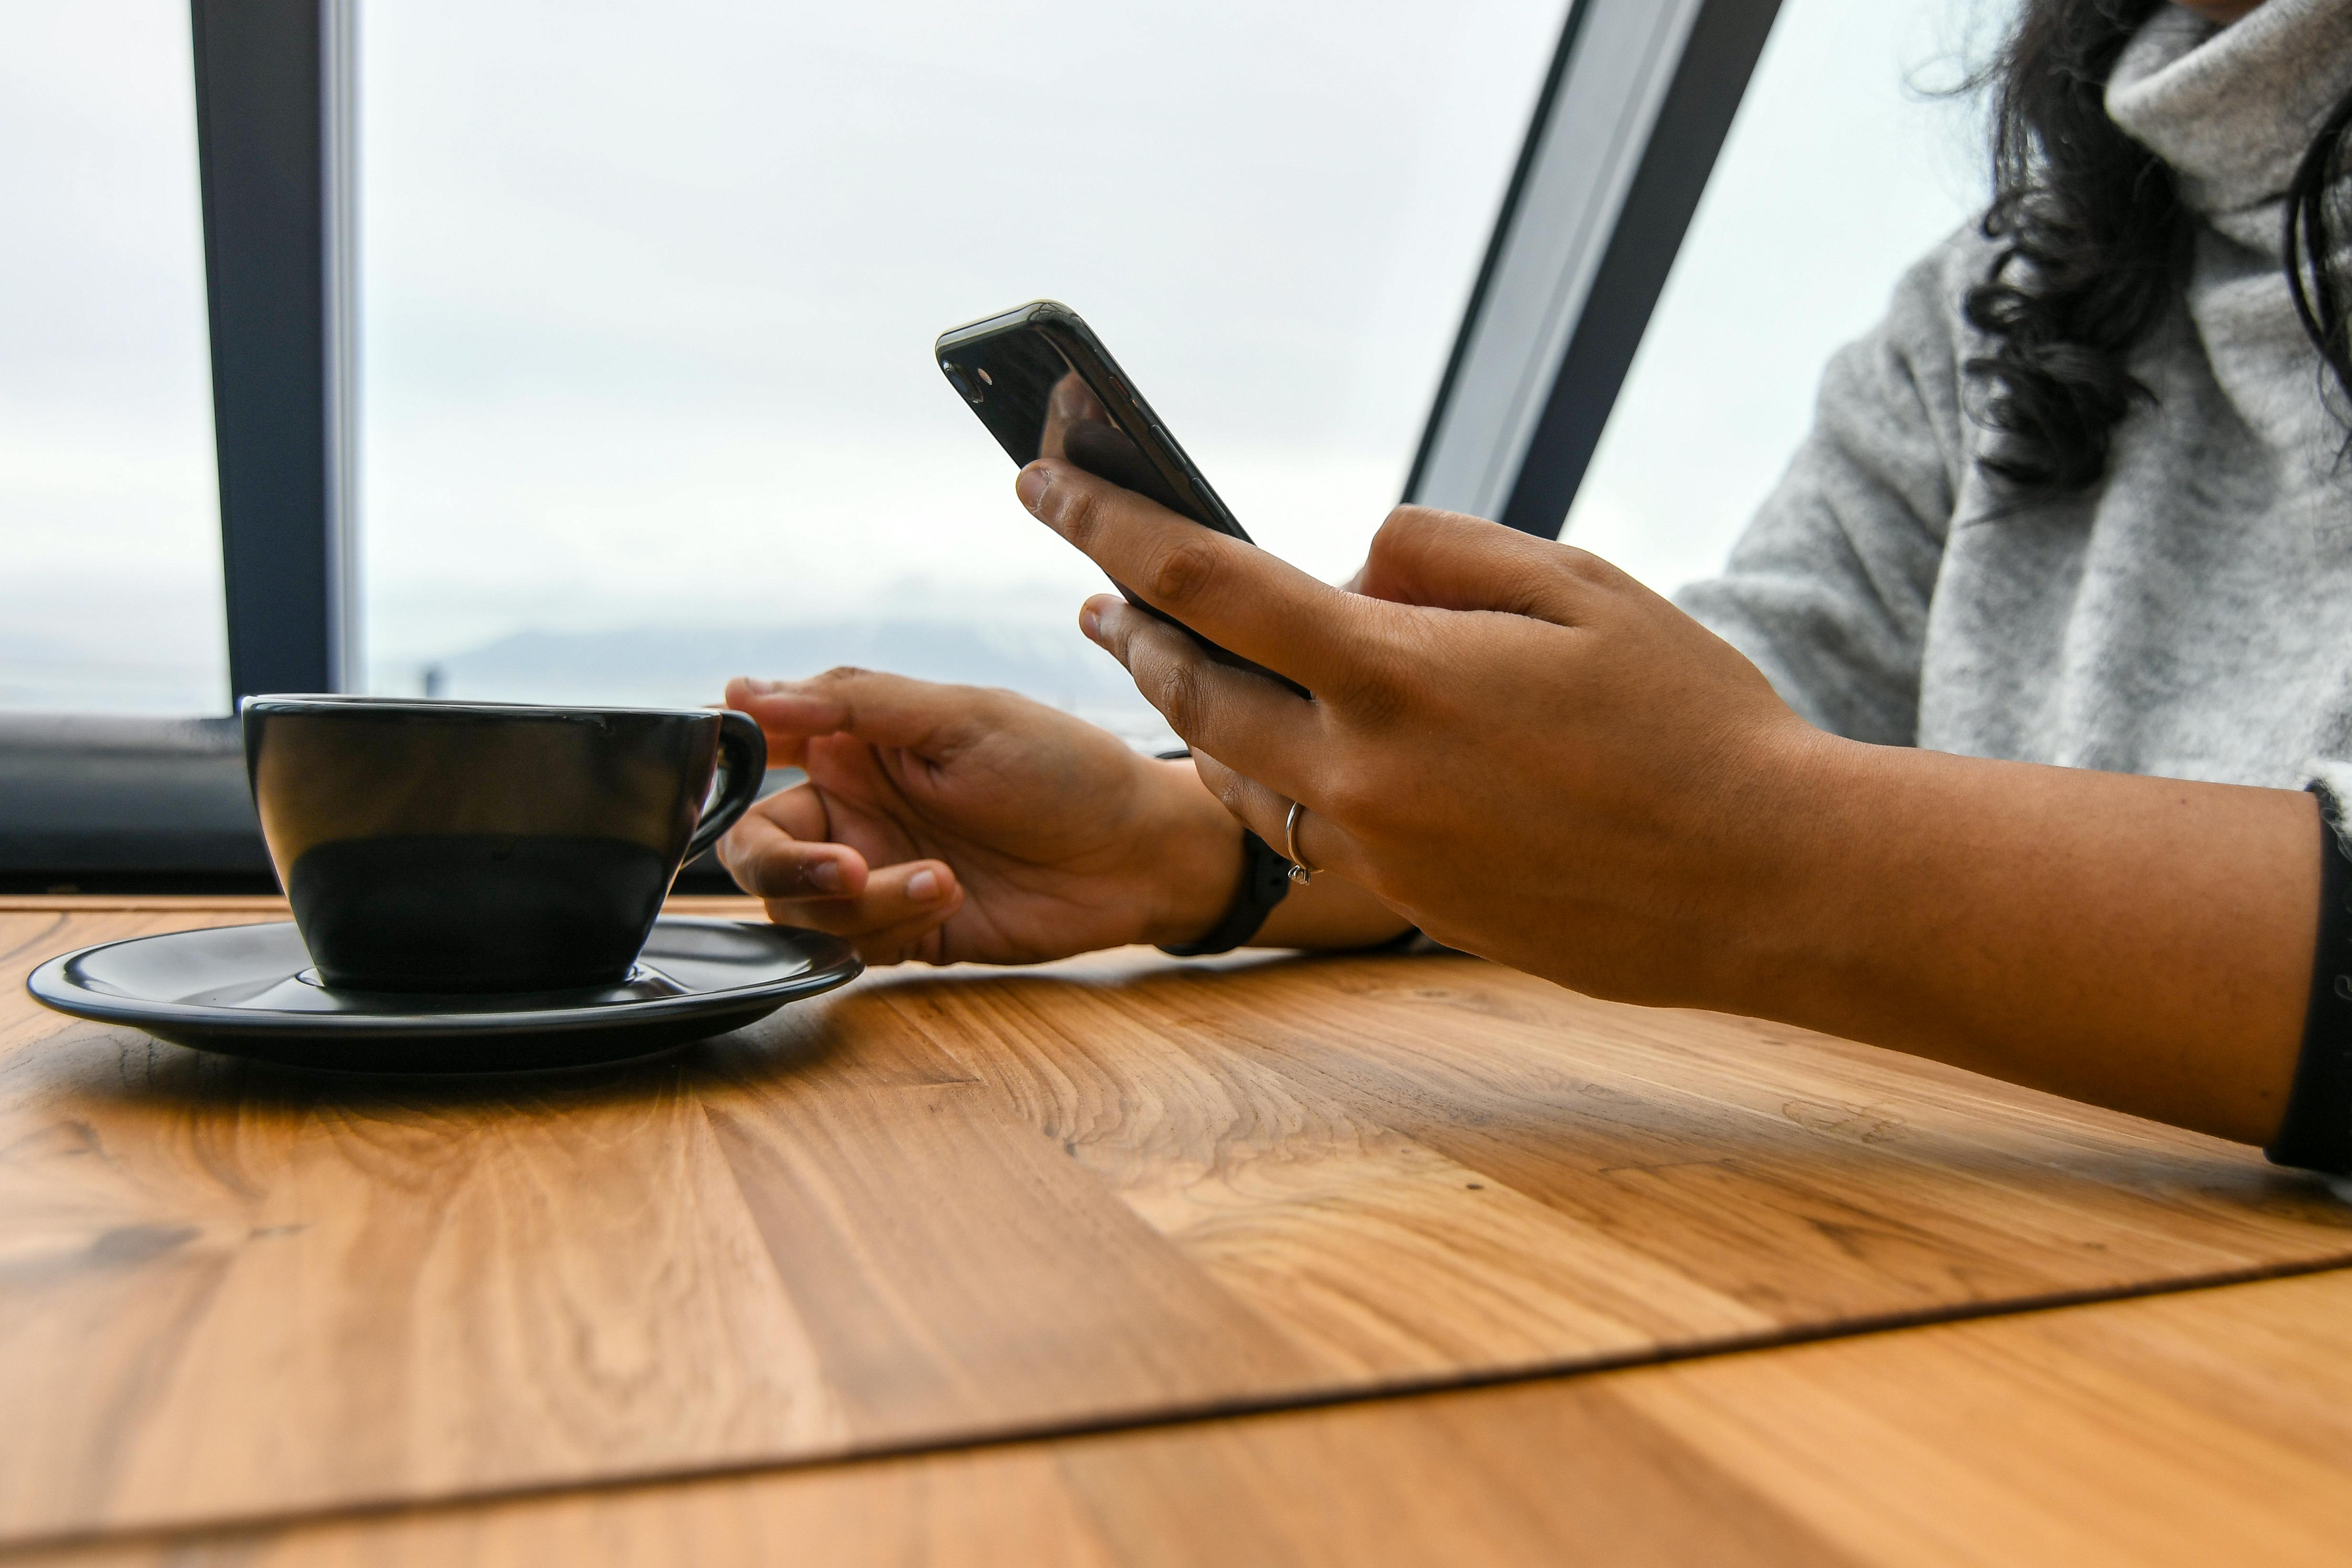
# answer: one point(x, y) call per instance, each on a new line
point(1510, 741)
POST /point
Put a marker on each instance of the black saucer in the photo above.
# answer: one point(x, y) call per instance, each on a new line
point(249, 990)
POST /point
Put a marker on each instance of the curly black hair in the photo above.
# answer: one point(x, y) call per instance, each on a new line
point(2097, 248)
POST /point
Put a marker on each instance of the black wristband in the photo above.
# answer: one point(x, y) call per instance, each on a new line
point(1265, 883)
point(2317, 1132)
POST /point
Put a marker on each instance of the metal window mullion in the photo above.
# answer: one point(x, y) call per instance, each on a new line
point(274, 122)
point(1615, 164)
point(340, 266)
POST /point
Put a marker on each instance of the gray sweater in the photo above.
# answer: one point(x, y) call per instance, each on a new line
point(2192, 616)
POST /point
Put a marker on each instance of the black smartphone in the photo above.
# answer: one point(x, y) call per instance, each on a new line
point(1046, 387)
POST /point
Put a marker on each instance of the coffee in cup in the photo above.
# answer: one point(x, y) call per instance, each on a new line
point(481, 846)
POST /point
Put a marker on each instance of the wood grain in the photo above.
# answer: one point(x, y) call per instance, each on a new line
point(938, 1207)
point(2212, 1427)
point(410, 1286)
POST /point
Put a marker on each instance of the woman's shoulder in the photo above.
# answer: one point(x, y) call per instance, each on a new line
point(1908, 372)
point(1928, 310)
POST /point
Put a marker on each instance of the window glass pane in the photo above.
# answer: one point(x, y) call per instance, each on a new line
point(649, 298)
point(1841, 169)
point(110, 531)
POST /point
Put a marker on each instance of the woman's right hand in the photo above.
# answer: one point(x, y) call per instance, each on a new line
point(953, 824)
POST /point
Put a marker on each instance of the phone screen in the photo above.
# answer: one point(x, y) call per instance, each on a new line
point(1046, 387)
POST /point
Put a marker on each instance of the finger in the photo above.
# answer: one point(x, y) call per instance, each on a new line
point(1267, 731)
point(1071, 400)
point(911, 893)
point(1323, 845)
point(880, 708)
point(799, 811)
point(917, 938)
point(922, 940)
point(769, 860)
point(1448, 561)
point(1235, 595)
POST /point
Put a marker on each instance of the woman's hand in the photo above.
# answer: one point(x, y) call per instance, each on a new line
point(1511, 742)
point(950, 824)
point(1532, 756)
point(953, 824)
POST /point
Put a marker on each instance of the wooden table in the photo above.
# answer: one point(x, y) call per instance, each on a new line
point(1129, 1260)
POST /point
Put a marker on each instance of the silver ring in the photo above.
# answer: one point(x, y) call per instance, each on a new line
point(1301, 871)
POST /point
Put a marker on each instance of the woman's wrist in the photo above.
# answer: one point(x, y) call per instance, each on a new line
point(1192, 863)
point(1782, 860)
point(1196, 868)
point(1330, 914)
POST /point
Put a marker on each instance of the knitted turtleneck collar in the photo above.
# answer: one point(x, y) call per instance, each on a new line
point(2232, 109)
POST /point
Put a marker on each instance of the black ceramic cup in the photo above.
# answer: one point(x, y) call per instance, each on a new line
point(474, 847)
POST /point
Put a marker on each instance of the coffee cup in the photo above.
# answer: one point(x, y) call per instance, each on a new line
point(479, 846)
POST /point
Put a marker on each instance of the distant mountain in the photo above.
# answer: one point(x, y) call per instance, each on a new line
point(668, 666)
point(126, 675)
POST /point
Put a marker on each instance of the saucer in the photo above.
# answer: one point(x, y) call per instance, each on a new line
point(249, 990)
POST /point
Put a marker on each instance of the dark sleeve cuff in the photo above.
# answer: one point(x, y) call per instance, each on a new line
point(2317, 1132)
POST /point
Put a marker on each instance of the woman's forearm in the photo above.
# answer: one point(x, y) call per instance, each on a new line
point(2139, 942)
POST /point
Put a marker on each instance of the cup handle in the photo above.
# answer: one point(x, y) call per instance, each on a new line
point(742, 764)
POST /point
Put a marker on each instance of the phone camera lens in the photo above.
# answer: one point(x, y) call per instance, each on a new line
point(969, 392)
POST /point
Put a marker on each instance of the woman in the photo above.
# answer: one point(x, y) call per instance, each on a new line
point(2010, 737)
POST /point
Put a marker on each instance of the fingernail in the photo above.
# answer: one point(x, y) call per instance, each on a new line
point(1031, 486)
point(825, 877)
point(923, 887)
point(763, 687)
point(1091, 621)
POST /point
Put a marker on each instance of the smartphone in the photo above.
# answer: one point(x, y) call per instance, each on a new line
point(1046, 387)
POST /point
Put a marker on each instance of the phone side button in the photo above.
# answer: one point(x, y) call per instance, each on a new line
point(1168, 445)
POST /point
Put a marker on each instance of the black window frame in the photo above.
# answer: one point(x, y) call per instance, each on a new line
point(1625, 131)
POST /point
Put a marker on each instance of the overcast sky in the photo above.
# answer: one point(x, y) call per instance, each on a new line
point(1842, 168)
point(648, 295)
point(649, 307)
point(109, 542)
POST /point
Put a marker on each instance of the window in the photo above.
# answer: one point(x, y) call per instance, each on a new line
point(109, 543)
point(643, 383)
point(1841, 169)
point(648, 302)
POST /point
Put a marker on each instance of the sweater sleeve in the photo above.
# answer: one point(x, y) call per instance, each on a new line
point(1828, 589)
point(2316, 1131)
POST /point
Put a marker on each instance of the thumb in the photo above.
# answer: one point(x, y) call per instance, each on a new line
point(1446, 560)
